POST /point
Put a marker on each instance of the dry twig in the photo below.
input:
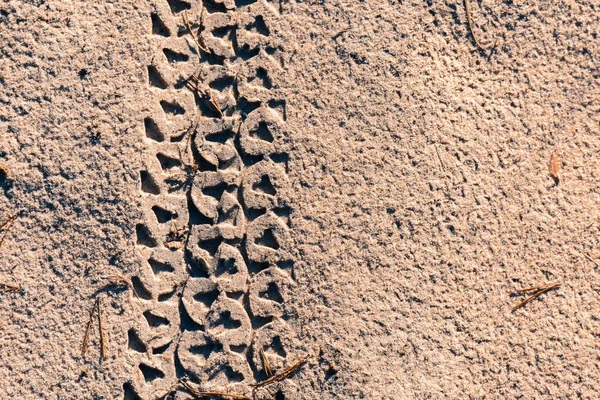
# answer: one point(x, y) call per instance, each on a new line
point(280, 376)
point(207, 94)
point(102, 346)
point(6, 225)
point(537, 291)
point(86, 337)
point(187, 24)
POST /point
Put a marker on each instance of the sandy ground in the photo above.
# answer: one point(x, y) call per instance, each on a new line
point(353, 183)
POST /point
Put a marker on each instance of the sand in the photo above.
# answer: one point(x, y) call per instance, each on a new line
point(355, 184)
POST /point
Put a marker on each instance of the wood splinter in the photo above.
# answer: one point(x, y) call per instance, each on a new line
point(7, 287)
point(280, 376)
point(537, 291)
point(198, 394)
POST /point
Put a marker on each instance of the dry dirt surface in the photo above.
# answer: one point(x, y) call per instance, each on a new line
point(243, 185)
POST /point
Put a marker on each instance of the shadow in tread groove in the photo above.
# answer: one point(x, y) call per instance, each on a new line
point(150, 373)
point(152, 130)
point(158, 26)
point(230, 374)
point(226, 267)
point(172, 107)
point(167, 296)
point(149, 185)
point(207, 298)
point(178, 6)
point(265, 186)
point(226, 321)
point(259, 25)
point(144, 236)
point(196, 217)
point(161, 349)
point(134, 342)
point(263, 76)
point(262, 132)
point(129, 392)
point(158, 267)
point(155, 79)
point(220, 137)
point(206, 350)
point(268, 239)
point(210, 245)
point(140, 289)
point(277, 347)
point(162, 215)
point(155, 320)
point(272, 293)
point(173, 56)
point(215, 191)
point(167, 162)
point(186, 323)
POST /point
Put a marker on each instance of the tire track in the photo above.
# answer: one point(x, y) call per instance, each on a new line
point(212, 240)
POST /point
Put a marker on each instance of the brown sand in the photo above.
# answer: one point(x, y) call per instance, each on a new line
point(352, 182)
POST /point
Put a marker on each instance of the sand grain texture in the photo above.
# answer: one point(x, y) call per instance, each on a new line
point(356, 182)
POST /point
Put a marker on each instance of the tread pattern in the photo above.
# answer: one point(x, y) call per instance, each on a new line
point(212, 240)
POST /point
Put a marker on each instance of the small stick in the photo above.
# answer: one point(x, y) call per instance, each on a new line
point(102, 347)
point(282, 375)
point(266, 364)
point(187, 24)
point(7, 220)
point(470, 23)
point(87, 331)
point(198, 394)
point(529, 289)
point(214, 103)
point(540, 291)
point(8, 223)
point(208, 94)
point(7, 287)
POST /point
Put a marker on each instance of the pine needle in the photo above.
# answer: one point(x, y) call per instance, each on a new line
point(538, 291)
point(198, 394)
point(281, 376)
point(266, 365)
